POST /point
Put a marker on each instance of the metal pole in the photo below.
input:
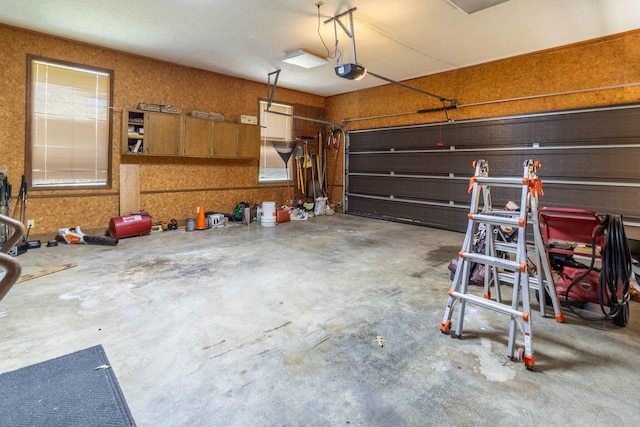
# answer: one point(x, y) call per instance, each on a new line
point(293, 116)
point(453, 102)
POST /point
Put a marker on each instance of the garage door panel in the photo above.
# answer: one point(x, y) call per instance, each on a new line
point(594, 198)
point(590, 160)
point(439, 216)
point(618, 164)
point(614, 125)
point(442, 190)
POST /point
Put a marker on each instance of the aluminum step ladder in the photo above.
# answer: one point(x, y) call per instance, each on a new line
point(512, 262)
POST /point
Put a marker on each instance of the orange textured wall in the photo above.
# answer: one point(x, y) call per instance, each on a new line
point(170, 187)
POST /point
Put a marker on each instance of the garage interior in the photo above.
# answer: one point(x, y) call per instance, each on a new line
point(336, 319)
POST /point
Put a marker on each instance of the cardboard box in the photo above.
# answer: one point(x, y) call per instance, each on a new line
point(248, 120)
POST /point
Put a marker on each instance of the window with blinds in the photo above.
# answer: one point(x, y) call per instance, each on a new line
point(68, 125)
point(275, 129)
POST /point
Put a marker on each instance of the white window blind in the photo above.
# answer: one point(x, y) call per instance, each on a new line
point(69, 125)
point(274, 127)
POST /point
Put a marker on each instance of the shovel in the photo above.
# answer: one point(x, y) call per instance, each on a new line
point(299, 156)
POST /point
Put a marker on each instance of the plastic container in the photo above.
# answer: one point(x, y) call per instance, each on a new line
point(321, 203)
point(282, 215)
point(268, 214)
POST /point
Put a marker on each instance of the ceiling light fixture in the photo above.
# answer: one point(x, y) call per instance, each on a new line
point(304, 59)
point(473, 6)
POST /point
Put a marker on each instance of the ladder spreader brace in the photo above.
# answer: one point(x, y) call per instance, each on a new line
point(504, 262)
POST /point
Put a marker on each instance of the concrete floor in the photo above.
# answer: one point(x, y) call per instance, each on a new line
point(275, 326)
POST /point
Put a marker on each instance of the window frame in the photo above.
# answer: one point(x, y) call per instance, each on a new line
point(289, 170)
point(29, 117)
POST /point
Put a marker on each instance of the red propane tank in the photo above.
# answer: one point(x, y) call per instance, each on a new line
point(130, 225)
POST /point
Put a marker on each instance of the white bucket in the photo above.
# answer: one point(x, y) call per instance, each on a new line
point(268, 214)
point(321, 203)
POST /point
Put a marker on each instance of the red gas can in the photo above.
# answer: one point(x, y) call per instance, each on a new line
point(130, 225)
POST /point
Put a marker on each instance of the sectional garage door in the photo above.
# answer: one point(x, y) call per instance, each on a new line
point(420, 174)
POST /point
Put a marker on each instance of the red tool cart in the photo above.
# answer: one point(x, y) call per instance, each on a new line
point(590, 257)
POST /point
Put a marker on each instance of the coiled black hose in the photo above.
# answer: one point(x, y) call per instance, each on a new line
point(616, 268)
point(615, 271)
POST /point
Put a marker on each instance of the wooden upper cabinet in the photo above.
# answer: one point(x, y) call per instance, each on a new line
point(198, 137)
point(248, 141)
point(225, 140)
point(236, 141)
point(162, 134)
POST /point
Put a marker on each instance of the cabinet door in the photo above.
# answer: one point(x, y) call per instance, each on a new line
point(248, 141)
point(198, 137)
point(162, 134)
point(225, 140)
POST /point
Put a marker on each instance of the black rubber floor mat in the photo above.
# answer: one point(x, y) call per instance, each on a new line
point(79, 389)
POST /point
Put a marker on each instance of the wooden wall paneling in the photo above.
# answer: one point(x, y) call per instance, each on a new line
point(183, 204)
point(137, 79)
point(303, 127)
point(129, 188)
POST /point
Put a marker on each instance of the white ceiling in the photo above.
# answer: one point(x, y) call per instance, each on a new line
point(397, 39)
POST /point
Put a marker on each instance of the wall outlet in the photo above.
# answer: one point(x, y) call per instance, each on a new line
point(31, 223)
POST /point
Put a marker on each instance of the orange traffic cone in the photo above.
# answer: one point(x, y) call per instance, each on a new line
point(201, 224)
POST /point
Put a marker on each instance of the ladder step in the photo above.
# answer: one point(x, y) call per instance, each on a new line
point(498, 220)
point(504, 213)
point(511, 248)
point(534, 283)
point(507, 182)
point(490, 304)
point(510, 278)
point(496, 262)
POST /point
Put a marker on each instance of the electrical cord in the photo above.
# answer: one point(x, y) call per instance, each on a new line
point(615, 270)
point(329, 55)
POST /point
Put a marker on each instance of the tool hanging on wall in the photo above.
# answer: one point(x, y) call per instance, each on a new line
point(307, 163)
point(320, 160)
point(313, 181)
point(307, 159)
point(5, 202)
point(335, 143)
point(299, 157)
point(21, 203)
